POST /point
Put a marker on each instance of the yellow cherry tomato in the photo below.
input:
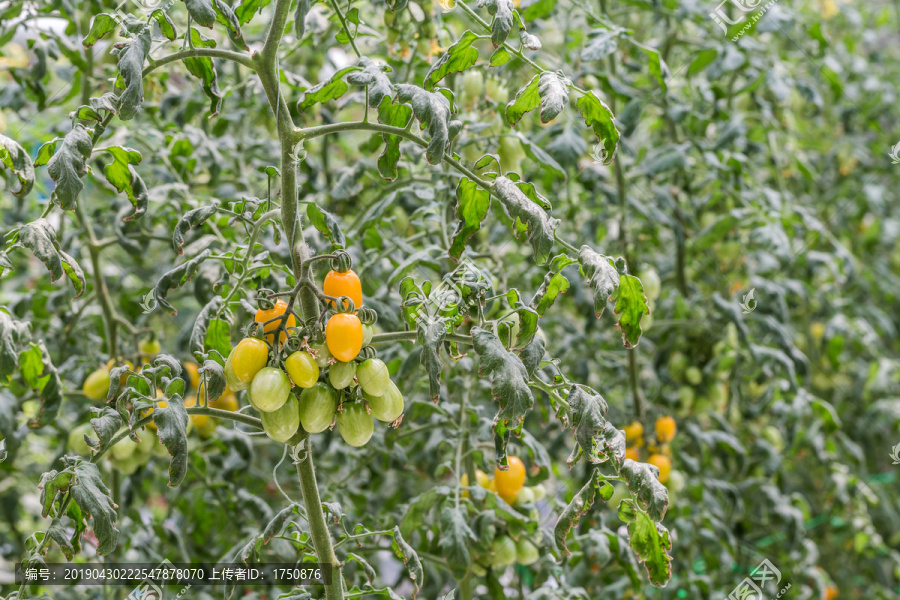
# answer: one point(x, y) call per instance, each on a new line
point(226, 401)
point(663, 463)
point(665, 429)
point(267, 315)
point(193, 374)
point(96, 385)
point(344, 336)
point(344, 284)
point(633, 431)
point(509, 482)
point(633, 453)
point(248, 357)
point(302, 368)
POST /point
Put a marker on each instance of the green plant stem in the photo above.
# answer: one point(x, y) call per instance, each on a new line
point(318, 527)
point(238, 57)
point(109, 313)
point(411, 336)
point(343, 19)
point(254, 234)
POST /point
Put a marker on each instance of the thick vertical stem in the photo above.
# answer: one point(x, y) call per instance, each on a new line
point(318, 528)
point(109, 313)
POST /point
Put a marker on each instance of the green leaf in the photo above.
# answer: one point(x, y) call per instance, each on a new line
point(502, 25)
point(554, 284)
point(17, 160)
point(207, 12)
point(631, 306)
point(373, 76)
point(431, 333)
point(122, 176)
point(176, 278)
point(330, 89)
point(595, 437)
point(277, 523)
point(459, 57)
point(131, 65)
point(472, 204)
point(509, 386)
point(642, 480)
point(108, 102)
point(419, 507)
point(68, 166)
point(532, 355)
point(395, 115)
point(602, 276)
point(538, 154)
point(46, 380)
point(87, 113)
point(432, 110)
point(714, 232)
point(327, 224)
point(530, 220)
point(455, 538)
point(526, 100)
point(658, 68)
point(554, 93)
point(106, 425)
point(703, 59)
point(533, 10)
point(58, 534)
point(202, 323)
point(602, 45)
point(300, 13)
point(12, 333)
point(171, 427)
point(166, 26)
point(500, 57)
point(40, 238)
point(576, 509)
point(409, 557)
point(95, 501)
point(101, 25)
point(650, 541)
point(192, 218)
point(203, 68)
point(600, 119)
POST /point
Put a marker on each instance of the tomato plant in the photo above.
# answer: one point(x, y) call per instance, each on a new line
point(328, 282)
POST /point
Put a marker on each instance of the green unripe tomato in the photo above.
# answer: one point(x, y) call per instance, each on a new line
point(387, 407)
point(317, 406)
point(282, 424)
point(96, 386)
point(368, 330)
point(322, 354)
point(302, 369)
point(355, 424)
point(693, 375)
point(76, 440)
point(473, 84)
point(128, 465)
point(270, 389)
point(123, 450)
point(526, 552)
point(503, 551)
point(373, 376)
point(145, 446)
point(540, 492)
point(525, 496)
point(678, 362)
point(341, 374)
point(651, 283)
point(231, 379)
point(150, 347)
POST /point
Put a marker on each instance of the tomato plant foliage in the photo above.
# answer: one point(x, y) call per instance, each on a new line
point(498, 175)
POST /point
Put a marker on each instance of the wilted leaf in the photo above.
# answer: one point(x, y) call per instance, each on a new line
point(650, 541)
point(431, 334)
point(602, 276)
point(40, 238)
point(554, 95)
point(395, 115)
point(203, 68)
point(432, 110)
point(330, 89)
point(101, 25)
point(192, 218)
point(530, 219)
point(176, 278)
point(455, 538)
point(599, 118)
point(132, 55)
point(472, 204)
point(373, 76)
point(576, 509)
point(631, 306)
point(67, 166)
point(95, 501)
point(171, 427)
point(18, 161)
point(527, 99)
point(643, 481)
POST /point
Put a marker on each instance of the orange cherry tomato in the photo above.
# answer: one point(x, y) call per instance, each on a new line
point(509, 482)
point(267, 315)
point(344, 336)
point(344, 284)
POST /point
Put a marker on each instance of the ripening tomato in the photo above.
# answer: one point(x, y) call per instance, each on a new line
point(373, 376)
point(267, 315)
point(247, 358)
point(633, 453)
point(344, 336)
point(226, 401)
point(509, 482)
point(193, 374)
point(633, 431)
point(321, 353)
point(665, 429)
point(96, 385)
point(341, 374)
point(150, 348)
point(231, 380)
point(270, 389)
point(663, 463)
point(317, 406)
point(344, 284)
point(355, 424)
point(302, 368)
point(115, 363)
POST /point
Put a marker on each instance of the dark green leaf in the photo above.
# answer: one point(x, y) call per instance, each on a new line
point(554, 93)
point(276, 525)
point(432, 110)
point(472, 204)
point(14, 158)
point(431, 334)
point(40, 238)
point(330, 89)
point(595, 437)
point(171, 427)
point(95, 501)
point(192, 218)
point(327, 224)
point(206, 12)
point(131, 65)
point(106, 425)
point(68, 166)
point(373, 76)
point(176, 278)
point(455, 538)
point(12, 333)
point(395, 115)
point(459, 57)
point(529, 219)
point(300, 17)
point(577, 508)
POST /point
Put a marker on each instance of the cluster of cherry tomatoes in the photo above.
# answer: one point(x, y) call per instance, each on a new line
point(657, 447)
point(320, 382)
